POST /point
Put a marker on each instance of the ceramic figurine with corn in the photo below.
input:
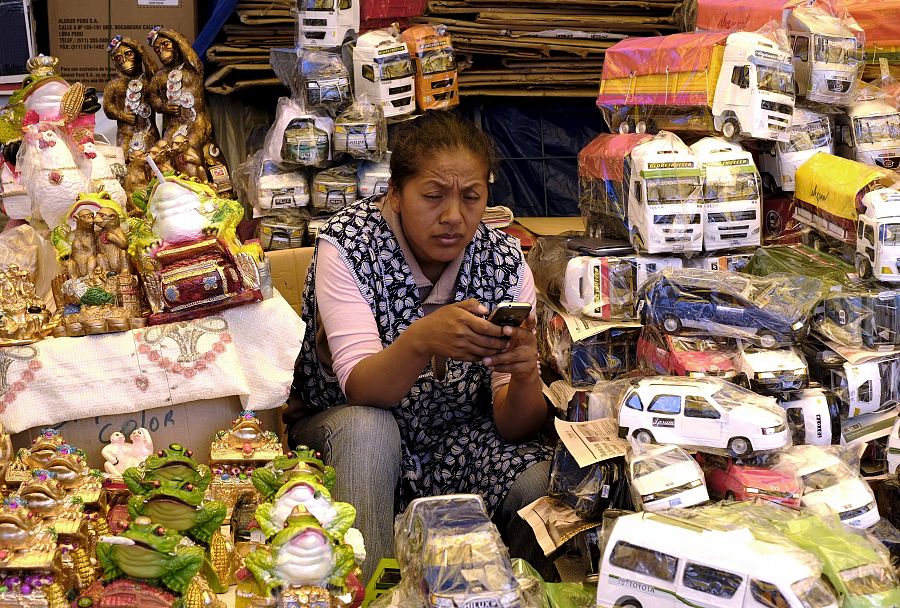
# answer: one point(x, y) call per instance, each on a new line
point(170, 488)
point(187, 251)
point(236, 452)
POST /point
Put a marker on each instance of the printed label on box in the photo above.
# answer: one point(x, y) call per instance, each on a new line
point(159, 2)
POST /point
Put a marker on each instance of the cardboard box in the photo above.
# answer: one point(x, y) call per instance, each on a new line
point(289, 268)
point(80, 31)
point(190, 424)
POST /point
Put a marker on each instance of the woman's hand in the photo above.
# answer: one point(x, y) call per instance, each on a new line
point(520, 356)
point(457, 332)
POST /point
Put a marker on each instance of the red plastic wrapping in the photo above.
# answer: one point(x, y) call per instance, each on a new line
point(604, 158)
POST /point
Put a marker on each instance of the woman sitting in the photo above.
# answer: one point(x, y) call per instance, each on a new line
point(401, 379)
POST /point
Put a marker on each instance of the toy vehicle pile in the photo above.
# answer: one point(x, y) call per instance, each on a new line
point(328, 145)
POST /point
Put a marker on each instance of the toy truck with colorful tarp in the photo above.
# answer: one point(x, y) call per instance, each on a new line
point(732, 196)
point(737, 85)
point(646, 188)
point(827, 49)
point(848, 206)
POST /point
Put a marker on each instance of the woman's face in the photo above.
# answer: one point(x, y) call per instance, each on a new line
point(441, 206)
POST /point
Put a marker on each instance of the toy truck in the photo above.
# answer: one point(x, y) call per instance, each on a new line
point(383, 72)
point(870, 133)
point(437, 85)
point(326, 23)
point(737, 85)
point(648, 188)
point(731, 195)
point(849, 208)
point(810, 132)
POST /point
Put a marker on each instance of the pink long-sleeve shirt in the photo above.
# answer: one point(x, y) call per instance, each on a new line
point(350, 329)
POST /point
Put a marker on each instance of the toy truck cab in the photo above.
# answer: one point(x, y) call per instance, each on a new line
point(755, 92)
point(326, 23)
point(655, 561)
point(878, 235)
point(870, 133)
point(664, 189)
point(810, 132)
point(437, 86)
point(731, 195)
point(383, 71)
point(456, 553)
point(305, 142)
point(373, 178)
point(827, 56)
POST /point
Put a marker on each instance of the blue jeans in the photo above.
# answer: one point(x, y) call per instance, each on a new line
point(363, 445)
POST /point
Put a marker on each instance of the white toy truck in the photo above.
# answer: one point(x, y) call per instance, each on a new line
point(383, 71)
point(870, 133)
point(326, 23)
point(848, 207)
point(810, 132)
point(737, 85)
point(732, 196)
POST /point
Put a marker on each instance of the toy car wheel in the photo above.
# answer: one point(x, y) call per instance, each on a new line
point(643, 436)
point(766, 338)
point(740, 446)
point(671, 324)
point(628, 604)
point(731, 130)
point(742, 380)
point(729, 495)
point(863, 267)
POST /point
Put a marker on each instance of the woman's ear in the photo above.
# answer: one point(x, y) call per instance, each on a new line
point(393, 196)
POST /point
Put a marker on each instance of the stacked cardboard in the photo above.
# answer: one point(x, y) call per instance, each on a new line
point(543, 47)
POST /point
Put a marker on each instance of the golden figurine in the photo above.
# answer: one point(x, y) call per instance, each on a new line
point(24, 318)
point(126, 97)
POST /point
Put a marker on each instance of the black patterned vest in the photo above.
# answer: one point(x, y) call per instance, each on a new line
point(491, 272)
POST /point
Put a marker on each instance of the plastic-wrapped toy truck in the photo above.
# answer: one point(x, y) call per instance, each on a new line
point(810, 132)
point(737, 85)
point(437, 84)
point(869, 132)
point(326, 23)
point(383, 71)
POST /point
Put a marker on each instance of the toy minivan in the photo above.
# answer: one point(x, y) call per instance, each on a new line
point(653, 561)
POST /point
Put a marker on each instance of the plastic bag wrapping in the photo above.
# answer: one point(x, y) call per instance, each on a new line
point(269, 187)
point(588, 490)
point(534, 590)
point(649, 190)
point(383, 70)
point(334, 188)
point(360, 131)
point(814, 416)
point(663, 477)
point(678, 82)
point(764, 477)
point(830, 485)
point(695, 357)
point(769, 311)
point(828, 43)
point(571, 595)
point(601, 356)
point(449, 551)
point(833, 272)
point(889, 536)
point(705, 414)
point(324, 80)
point(810, 132)
point(861, 318)
point(863, 387)
point(372, 177)
point(887, 494)
point(298, 137)
point(779, 226)
point(284, 229)
point(733, 262)
point(431, 50)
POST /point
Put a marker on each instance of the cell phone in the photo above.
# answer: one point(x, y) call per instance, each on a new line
point(510, 313)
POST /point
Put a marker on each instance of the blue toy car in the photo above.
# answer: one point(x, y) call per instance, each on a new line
point(770, 311)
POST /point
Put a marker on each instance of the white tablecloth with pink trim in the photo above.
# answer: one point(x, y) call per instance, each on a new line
point(247, 351)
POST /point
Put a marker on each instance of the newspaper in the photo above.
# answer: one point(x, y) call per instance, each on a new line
point(855, 356)
point(593, 441)
point(554, 523)
point(865, 428)
point(560, 393)
point(582, 328)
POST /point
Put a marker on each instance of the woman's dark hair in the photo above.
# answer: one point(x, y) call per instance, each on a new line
point(432, 132)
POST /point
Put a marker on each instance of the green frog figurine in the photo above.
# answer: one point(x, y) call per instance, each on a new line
point(305, 489)
point(150, 552)
point(174, 465)
point(269, 479)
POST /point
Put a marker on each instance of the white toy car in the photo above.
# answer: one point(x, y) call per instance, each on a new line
point(772, 371)
point(702, 412)
point(893, 448)
point(827, 481)
point(372, 178)
point(665, 477)
point(814, 417)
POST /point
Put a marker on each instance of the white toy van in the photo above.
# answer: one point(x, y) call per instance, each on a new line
point(702, 412)
point(665, 477)
point(653, 561)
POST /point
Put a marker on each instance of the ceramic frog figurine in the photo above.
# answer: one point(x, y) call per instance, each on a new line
point(148, 551)
point(174, 466)
point(303, 553)
point(43, 494)
point(180, 508)
point(269, 479)
point(305, 489)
